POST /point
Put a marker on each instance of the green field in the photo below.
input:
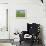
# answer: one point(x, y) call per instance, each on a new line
point(20, 13)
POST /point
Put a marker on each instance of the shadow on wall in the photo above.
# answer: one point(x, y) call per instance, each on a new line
point(41, 34)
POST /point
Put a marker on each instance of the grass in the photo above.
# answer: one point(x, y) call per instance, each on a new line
point(20, 13)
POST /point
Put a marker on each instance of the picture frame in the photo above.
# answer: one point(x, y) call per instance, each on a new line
point(20, 14)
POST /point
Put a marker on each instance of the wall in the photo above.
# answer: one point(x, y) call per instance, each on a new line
point(35, 12)
point(3, 1)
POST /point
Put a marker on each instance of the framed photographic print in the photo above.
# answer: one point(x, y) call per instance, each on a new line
point(20, 13)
